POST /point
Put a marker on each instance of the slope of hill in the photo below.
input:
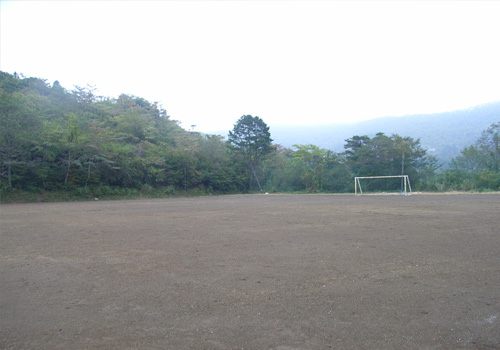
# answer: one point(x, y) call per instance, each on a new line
point(442, 134)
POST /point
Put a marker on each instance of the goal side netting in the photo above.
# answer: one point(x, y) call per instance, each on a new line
point(382, 185)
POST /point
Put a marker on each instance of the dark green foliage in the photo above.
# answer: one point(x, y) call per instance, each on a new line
point(386, 156)
point(57, 144)
point(477, 167)
point(251, 140)
point(308, 168)
point(489, 145)
point(74, 141)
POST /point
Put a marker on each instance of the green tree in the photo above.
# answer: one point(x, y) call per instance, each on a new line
point(477, 166)
point(71, 140)
point(280, 174)
point(312, 163)
point(251, 139)
point(217, 170)
point(384, 155)
point(353, 145)
point(18, 126)
point(470, 159)
point(489, 143)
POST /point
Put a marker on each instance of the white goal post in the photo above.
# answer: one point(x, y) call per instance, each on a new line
point(406, 180)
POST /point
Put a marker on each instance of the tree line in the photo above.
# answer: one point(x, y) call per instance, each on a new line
point(55, 140)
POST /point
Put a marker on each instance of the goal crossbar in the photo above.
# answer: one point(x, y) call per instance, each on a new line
point(404, 177)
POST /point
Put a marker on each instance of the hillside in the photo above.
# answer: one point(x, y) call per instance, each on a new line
point(442, 134)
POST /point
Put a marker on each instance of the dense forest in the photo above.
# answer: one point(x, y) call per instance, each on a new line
point(60, 144)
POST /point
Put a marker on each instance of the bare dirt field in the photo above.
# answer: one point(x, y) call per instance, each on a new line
point(280, 272)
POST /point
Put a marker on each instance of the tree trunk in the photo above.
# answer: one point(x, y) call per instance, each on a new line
point(496, 140)
point(69, 167)
point(88, 174)
point(255, 175)
point(9, 174)
point(185, 175)
point(9, 160)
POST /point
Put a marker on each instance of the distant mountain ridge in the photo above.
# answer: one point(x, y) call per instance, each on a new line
point(442, 134)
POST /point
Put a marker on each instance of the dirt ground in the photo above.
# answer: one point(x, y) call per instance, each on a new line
point(282, 272)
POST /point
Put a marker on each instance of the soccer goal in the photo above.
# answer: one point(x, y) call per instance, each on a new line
point(382, 184)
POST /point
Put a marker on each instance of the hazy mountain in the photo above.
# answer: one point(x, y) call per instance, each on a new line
point(442, 134)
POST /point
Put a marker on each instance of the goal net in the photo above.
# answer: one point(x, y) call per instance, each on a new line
point(397, 184)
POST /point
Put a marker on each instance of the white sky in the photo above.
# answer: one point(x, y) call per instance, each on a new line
point(288, 62)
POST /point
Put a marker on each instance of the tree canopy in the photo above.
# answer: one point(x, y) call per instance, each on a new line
point(57, 140)
point(251, 139)
point(477, 166)
point(53, 139)
point(385, 155)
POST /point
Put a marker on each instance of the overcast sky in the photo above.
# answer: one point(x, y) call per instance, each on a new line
point(288, 62)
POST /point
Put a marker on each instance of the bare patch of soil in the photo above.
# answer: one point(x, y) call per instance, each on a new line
point(277, 272)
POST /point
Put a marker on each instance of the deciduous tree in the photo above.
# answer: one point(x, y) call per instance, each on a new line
point(251, 139)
